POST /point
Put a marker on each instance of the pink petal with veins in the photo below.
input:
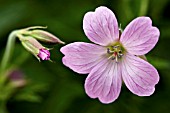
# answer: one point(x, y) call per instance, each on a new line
point(139, 37)
point(82, 57)
point(139, 76)
point(101, 26)
point(104, 81)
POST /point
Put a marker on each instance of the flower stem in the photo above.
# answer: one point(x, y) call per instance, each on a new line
point(8, 51)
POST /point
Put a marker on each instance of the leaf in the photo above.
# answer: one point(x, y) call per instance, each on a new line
point(31, 93)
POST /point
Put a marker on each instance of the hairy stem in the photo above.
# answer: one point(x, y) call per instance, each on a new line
point(8, 51)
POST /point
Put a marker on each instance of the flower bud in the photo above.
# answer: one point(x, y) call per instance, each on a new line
point(16, 77)
point(44, 54)
point(29, 36)
point(33, 46)
point(44, 36)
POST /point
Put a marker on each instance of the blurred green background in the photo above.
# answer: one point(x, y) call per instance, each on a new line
point(53, 88)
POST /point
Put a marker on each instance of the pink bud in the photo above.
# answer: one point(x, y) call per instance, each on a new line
point(44, 54)
point(17, 78)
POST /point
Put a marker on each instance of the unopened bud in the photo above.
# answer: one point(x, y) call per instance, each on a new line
point(45, 36)
point(33, 46)
point(29, 38)
point(16, 77)
point(44, 54)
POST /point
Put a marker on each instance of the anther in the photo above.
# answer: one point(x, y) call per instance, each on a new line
point(108, 50)
point(120, 55)
point(113, 58)
point(120, 51)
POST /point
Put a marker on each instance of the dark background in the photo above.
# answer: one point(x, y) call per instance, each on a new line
point(53, 88)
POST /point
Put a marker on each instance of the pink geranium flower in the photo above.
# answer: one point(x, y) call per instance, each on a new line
point(114, 56)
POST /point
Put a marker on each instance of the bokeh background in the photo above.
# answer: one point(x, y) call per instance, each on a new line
point(54, 88)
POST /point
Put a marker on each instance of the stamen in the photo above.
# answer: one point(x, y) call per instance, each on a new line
point(113, 58)
point(120, 51)
point(115, 47)
point(108, 50)
point(120, 55)
point(116, 59)
point(115, 52)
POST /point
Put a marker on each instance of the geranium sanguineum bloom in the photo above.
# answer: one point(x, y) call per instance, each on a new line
point(114, 56)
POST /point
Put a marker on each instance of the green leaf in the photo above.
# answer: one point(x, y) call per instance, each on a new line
point(31, 93)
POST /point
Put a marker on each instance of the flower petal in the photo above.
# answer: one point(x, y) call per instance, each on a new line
point(101, 26)
point(139, 76)
point(82, 57)
point(139, 37)
point(104, 81)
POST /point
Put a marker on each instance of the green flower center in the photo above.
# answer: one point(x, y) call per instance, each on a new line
point(115, 52)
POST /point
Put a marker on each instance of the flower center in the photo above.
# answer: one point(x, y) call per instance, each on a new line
point(115, 52)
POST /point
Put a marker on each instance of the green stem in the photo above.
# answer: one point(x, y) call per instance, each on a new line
point(143, 7)
point(8, 51)
point(6, 58)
